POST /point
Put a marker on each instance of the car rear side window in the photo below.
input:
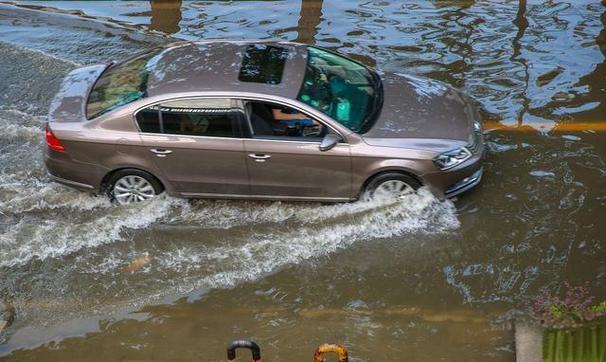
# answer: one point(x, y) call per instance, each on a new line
point(196, 117)
point(149, 120)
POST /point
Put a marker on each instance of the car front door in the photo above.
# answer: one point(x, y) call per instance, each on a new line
point(197, 145)
point(284, 157)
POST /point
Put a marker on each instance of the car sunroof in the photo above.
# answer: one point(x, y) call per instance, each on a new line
point(263, 64)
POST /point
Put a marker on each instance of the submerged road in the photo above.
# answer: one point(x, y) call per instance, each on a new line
point(426, 279)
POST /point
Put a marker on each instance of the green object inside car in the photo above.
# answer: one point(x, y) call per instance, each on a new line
point(343, 111)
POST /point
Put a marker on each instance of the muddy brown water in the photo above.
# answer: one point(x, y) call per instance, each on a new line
point(420, 280)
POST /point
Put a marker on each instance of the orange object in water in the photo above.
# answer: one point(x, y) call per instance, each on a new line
point(331, 348)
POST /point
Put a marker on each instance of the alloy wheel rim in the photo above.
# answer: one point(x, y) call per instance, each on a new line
point(393, 189)
point(130, 189)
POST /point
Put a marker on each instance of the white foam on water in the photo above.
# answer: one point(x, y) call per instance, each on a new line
point(227, 214)
point(37, 194)
point(33, 238)
point(263, 254)
point(19, 126)
point(11, 132)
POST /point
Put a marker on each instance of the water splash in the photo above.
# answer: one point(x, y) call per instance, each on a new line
point(40, 238)
point(74, 239)
point(331, 228)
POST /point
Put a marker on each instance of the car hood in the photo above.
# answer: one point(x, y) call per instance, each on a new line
point(69, 105)
point(421, 108)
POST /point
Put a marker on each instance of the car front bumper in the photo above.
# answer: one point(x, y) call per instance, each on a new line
point(465, 184)
point(456, 181)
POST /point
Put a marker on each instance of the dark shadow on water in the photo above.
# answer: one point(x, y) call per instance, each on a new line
point(165, 16)
point(593, 81)
point(522, 24)
point(309, 21)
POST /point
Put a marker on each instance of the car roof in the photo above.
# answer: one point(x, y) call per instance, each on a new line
point(215, 66)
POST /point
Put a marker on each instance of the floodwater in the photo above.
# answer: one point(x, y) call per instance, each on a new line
point(418, 280)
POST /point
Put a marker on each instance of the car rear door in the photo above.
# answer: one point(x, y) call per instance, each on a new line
point(292, 165)
point(197, 145)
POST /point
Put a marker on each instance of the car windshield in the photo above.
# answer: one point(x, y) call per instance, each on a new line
point(120, 84)
point(343, 89)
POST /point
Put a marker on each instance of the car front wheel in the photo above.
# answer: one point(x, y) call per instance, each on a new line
point(391, 186)
point(130, 186)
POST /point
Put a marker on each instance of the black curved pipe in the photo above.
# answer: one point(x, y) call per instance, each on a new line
point(243, 343)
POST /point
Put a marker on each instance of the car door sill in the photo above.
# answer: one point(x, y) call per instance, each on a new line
point(264, 197)
point(70, 182)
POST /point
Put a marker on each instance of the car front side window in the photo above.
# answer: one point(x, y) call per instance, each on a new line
point(275, 121)
point(193, 117)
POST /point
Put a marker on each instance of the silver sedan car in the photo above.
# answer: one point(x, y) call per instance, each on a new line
point(259, 120)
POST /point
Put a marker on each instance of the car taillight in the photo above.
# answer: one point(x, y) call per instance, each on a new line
point(53, 142)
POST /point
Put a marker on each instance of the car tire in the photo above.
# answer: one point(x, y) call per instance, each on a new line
point(131, 185)
point(391, 183)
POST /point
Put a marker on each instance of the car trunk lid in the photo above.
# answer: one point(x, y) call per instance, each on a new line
point(69, 105)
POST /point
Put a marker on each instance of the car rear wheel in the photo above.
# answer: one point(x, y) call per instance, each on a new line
point(391, 186)
point(130, 186)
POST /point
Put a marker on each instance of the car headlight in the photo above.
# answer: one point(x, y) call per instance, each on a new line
point(452, 158)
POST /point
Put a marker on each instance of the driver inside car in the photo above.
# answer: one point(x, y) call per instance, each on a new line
point(290, 118)
point(294, 123)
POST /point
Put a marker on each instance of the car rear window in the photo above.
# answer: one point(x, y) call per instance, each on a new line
point(120, 84)
point(263, 64)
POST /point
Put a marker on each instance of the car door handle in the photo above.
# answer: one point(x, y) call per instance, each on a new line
point(160, 152)
point(259, 157)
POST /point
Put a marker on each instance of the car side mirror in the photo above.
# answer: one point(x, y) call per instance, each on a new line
point(329, 141)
